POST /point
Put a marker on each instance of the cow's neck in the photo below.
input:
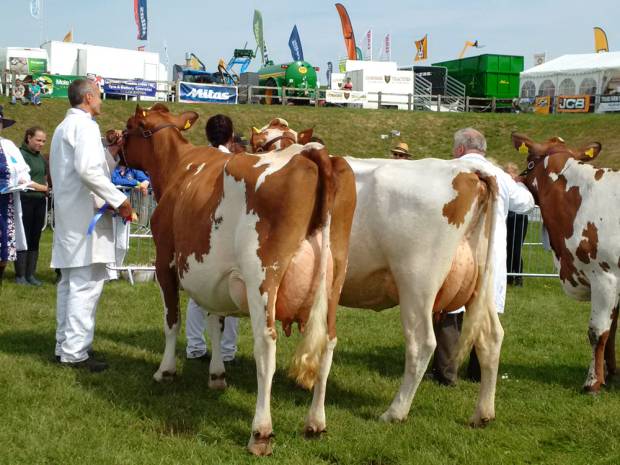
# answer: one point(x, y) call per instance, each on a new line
point(164, 160)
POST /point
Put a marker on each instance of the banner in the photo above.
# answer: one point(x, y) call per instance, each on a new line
point(294, 43)
point(35, 9)
point(347, 32)
point(139, 11)
point(258, 35)
point(131, 87)
point(330, 70)
point(572, 103)
point(54, 85)
point(542, 104)
point(608, 103)
point(600, 40)
point(191, 92)
point(23, 65)
point(539, 58)
point(421, 49)
point(68, 36)
point(345, 96)
point(387, 47)
point(369, 45)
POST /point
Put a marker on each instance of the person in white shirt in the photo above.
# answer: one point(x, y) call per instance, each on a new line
point(470, 144)
point(82, 245)
point(219, 131)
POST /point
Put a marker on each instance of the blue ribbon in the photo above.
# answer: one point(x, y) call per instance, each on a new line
point(97, 217)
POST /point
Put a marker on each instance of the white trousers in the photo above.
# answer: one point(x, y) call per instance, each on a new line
point(195, 326)
point(77, 296)
point(121, 245)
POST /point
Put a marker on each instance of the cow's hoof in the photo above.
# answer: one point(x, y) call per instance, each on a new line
point(480, 422)
point(165, 376)
point(260, 445)
point(391, 417)
point(314, 431)
point(593, 389)
point(217, 382)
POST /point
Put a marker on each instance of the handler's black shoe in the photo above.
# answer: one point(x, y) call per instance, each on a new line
point(90, 364)
point(206, 357)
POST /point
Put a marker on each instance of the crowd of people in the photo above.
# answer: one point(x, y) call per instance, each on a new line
point(91, 176)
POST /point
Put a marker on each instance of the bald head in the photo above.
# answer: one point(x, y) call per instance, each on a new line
point(468, 140)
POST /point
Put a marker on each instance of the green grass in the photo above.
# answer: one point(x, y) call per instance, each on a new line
point(54, 415)
point(357, 132)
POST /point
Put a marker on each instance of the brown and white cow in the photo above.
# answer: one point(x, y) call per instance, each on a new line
point(248, 235)
point(579, 207)
point(421, 238)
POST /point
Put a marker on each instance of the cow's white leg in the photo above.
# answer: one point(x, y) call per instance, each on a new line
point(168, 368)
point(217, 372)
point(417, 321)
point(488, 347)
point(604, 299)
point(315, 422)
point(265, 357)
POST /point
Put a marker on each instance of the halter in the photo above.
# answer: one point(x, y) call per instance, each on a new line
point(531, 165)
point(147, 133)
point(263, 147)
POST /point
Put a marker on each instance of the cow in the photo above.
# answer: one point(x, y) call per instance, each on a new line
point(575, 199)
point(248, 235)
point(422, 238)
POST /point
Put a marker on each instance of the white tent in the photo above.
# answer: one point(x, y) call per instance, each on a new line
point(584, 74)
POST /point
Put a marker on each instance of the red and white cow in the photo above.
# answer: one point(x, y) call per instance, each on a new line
point(579, 207)
point(421, 238)
point(248, 235)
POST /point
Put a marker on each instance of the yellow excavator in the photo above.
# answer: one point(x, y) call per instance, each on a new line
point(468, 44)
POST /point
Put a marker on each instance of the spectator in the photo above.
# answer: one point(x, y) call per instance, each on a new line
point(18, 92)
point(33, 204)
point(401, 152)
point(219, 130)
point(35, 93)
point(79, 170)
point(348, 85)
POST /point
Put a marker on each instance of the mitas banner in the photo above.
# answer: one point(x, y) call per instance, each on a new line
point(192, 92)
point(131, 87)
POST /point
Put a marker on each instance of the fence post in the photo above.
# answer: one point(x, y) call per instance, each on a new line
point(439, 103)
point(409, 101)
point(177, 95)
point(493, 104)
point(467, 104)
point(283, 95)
point(317, 95)
point(378, 100)
point(250, 94)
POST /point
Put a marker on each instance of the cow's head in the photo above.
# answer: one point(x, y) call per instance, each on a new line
point(276, 136)
point(142, 127)
point(548, 159)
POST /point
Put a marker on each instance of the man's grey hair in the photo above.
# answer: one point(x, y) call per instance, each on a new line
point(78, 89)
point(470, 139)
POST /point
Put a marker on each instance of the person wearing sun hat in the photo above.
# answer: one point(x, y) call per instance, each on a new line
point(401, 151)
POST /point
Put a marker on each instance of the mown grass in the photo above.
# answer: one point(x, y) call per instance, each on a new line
point(54, 415)
point(357, 132)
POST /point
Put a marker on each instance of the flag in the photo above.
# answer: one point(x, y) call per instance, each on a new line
point(68, 36)
point(330, 70)
point(600, 40)
point(195, 63)
point(258, 35)
point(347, 32)
point(387, 47)
point(539, 58)
point(369, 45)
point(139, 11)
point(294, 43)
point(421, 48)
point(35, 9)
point(141, 48)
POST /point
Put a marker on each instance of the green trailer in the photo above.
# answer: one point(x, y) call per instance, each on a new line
point(487, 76)
point(297, 74)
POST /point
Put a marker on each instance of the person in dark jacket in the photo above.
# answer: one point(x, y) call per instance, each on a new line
point(33, 206)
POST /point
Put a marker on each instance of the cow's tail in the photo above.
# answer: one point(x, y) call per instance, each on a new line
point(481, 316)
point(306, 362)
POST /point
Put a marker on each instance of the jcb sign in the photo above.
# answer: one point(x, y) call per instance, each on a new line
point(573, 104)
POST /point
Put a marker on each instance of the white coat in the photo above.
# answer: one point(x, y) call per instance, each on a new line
point(79, 170)
point(19, 175)
point(514, 197)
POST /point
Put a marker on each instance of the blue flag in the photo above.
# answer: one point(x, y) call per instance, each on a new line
point(139, 11)
point(294, 43)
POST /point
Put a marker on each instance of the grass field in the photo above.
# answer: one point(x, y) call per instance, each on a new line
point(54, 415)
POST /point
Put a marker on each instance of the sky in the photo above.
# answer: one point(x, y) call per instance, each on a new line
point(212, 30)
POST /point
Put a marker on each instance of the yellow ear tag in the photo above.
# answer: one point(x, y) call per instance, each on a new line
point(589, 153)
point(523, 149)
point(144, 114)
point(188, 125)
point(256, 131)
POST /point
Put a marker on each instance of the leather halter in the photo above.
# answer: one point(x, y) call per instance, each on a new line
point(531, 165)
point(263, 147)
point(146, 133)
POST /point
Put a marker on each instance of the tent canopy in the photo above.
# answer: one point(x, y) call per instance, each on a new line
point(575, 64)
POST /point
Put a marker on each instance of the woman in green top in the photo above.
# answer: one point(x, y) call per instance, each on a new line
point(33, 206)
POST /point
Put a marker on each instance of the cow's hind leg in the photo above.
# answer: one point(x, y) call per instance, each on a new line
point(170, 295)
point(315, 422)
point(610, 347)
point(217, 372)
point(416, 318)
point(604, 300)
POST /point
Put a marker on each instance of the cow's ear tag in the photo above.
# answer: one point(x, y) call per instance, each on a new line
point(523, 149)
point(256, 131)
point(188, 124)
point(144, 114)
point(589, 153)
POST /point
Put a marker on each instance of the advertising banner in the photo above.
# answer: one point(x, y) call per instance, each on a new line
point(191, 92)
point(23, 65)
point(572, 104)
point(542, 104)
point(609, 103)
point(132, 87)
point(294, 43)
point(54, 85)
point(345, 96)
point(139, 11)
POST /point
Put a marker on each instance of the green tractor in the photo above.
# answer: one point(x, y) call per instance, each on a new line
point(296, 74)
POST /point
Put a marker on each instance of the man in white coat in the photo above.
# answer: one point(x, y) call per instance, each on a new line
point(470, 144)
point(82, 246)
